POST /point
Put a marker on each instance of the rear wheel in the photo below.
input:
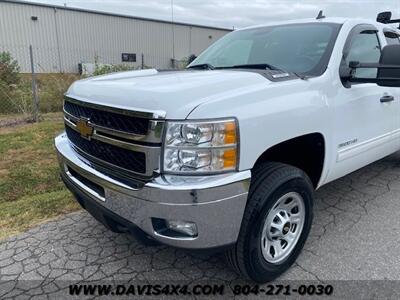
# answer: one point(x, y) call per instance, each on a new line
point(276, 222)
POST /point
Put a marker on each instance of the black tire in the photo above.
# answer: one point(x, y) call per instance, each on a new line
point(270, 181)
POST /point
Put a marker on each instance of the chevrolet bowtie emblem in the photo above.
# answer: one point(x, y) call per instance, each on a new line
point(84, 128)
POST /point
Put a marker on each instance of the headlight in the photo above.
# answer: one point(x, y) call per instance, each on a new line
point(201, 147)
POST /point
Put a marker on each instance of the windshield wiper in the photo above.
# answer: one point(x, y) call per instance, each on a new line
point(246, 66)
point(253, 66)
point(263, 67)
point(202, 66)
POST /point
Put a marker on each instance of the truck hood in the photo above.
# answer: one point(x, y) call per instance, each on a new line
point(173, 94)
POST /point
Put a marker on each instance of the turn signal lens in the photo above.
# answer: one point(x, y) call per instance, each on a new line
point(230, 133)
point(229, 159)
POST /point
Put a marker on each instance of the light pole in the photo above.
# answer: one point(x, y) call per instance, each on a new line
point(173, 33)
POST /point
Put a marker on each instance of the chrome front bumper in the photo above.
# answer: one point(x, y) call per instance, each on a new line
point(214, 203)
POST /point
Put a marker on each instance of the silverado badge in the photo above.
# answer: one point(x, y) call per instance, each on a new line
point(84, 128)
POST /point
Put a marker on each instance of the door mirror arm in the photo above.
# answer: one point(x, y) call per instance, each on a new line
point(345, 73)
point(380, 80)
point(388, 68)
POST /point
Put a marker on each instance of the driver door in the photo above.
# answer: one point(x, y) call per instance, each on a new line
point(365, 114)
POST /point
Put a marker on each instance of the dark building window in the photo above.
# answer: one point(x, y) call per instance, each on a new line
point(129, 57)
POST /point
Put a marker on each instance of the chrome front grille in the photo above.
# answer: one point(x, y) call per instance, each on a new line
point(122, 141)
point(111, 120)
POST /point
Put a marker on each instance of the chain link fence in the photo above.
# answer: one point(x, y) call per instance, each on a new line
point(38, 82)
point(30, 86)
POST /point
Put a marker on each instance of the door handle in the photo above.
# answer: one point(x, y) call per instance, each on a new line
point(387, 98)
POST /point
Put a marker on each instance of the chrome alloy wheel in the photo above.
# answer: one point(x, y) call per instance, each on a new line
point(283, 227)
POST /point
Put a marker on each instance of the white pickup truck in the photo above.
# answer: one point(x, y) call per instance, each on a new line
point(227, 153)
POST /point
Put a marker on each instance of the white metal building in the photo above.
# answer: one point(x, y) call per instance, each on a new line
point(62, 37)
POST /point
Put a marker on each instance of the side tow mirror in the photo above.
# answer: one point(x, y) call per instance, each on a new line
point(389, 73)
point(388, 68)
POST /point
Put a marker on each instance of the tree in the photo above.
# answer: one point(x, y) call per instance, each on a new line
point(9, 69)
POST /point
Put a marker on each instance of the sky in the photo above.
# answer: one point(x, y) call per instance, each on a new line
point(236, 13)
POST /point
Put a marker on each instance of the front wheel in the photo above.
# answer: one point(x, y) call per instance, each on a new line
point(276, 222)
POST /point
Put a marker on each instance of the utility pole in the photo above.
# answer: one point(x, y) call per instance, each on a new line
point(57, 41)
point(173, 33)
point(34, 88)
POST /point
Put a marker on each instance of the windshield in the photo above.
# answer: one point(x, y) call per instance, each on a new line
point(299, 48)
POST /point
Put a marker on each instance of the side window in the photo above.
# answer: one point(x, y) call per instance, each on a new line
point(392, 38)
point(365, 48)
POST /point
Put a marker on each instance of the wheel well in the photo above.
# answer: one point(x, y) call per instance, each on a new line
point(306, 152)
